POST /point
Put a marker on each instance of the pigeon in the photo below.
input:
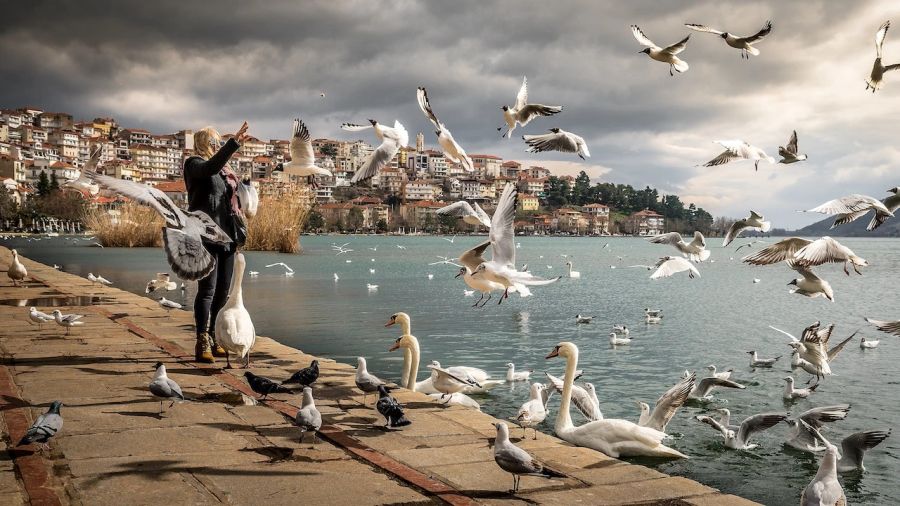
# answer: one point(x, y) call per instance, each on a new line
point(390, 409)
point(853, 207)
point(45, 427)
point(517, 461)
point(184, 232)
point(303, 158)
point(695, 250)
point(39, 317)
point(98, 279)
point(306, 376)
point(365, 381)
point(755, 221)
point(522, 113)
point(876, 77)
point(164, 388)
point(788, 153)
point(557, 140)
point(745, 44)
point(471, 214)
point(668, 266)
point(162, 282)
point(308, 417)
point(452, 150)
point(264, 386)
point(737, 149)
point(663, 54)
point(67, 320)
point(392, 139)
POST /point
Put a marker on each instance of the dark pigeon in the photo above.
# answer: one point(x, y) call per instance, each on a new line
point(45, 427)
point(390, 409)
point(264, 386)
point(306, 376)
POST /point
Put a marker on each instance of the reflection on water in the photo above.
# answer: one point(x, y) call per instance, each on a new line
point(710, 320)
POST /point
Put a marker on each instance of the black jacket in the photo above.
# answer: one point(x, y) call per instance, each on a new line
point(209, 192)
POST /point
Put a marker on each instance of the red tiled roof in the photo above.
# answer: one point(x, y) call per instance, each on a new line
point(647, 213)
point(172, 187)
point(490, 157)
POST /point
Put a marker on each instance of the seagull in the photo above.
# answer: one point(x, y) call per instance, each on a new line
point(513, 375)
point(304, 377)
point(557, 140)
point(812, 348)
point(287, 269)
point(666, 54)
point(752, 425)
point(68, 320)
point(98, 279)
point(855, 446)
point(875, 79)
point(254, 274)
point(755, 221)
point(790, 393)
point(83, 183)
point(703, 388)
point(164, 388)
point(892, 203)
point(824, 489)
point(522, 113)
point(583, 400)
point(745, 44)
point(264, 386)
point(169, 305)
point(336, 277)
point(667, 404)
point(737, 149)
point(868, 343)
point(616, 341)
point(695, 250)
point(39, 317)
point(447, 382)
point(400, 246)
point(468, 293)
point(886, 326)
point(621, 329)
point(502, 266)
point(515, 460)
point(303, 158)
point(471, 214)
point(761, 362)
point(451, 149)
point(800, 436)
point(162, 282)
point(450, 239)
point(789, 154)
point(583, 319)
point(390, 409)
point(392, 139)
point(45, 427)
point(722, 375)
point(371, 287)
point(16, 270)
point(853, 207)
point(534, 410)
point(365, 381)
point(371, 271)
point(308, 417)
point(805, 253)
point(444, 261)
point(668, 266)
point(184, 233)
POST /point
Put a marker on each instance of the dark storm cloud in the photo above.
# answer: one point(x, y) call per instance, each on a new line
point(168, 65)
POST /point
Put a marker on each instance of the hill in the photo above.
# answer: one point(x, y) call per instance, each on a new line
point(890, 228)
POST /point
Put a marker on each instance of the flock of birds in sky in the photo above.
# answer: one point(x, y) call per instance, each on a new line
point(185, 232)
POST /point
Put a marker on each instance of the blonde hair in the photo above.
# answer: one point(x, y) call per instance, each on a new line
point(203, 141)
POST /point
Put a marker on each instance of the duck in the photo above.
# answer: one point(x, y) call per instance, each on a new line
point(612, 437)
point(234, 328)
point(512, 375)
point(572, 274)
point(16, 271)
point(615, 341)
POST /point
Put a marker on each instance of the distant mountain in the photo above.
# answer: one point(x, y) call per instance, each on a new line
point(890, 228)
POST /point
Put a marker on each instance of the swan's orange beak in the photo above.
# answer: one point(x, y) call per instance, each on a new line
point(390, 322)
point(554, 353)
point(395, 346)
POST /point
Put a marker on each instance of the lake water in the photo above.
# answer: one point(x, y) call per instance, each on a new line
point(714, 319)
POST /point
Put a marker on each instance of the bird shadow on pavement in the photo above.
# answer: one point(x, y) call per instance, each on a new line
point(159, 468)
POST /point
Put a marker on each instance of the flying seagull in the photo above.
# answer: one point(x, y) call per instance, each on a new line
point(557, 140)
point(695, 250)
point(745, 44)
point(515, 460)
point(892, 203)
point(83, 183)
point(876, 77)
point(303, 157)
point(752, 425)
point(522, 113)
point(805, 253)
point(184, 232)
point(801, 438)
point(666, 54)
point(161, 282)
point(392, 139)
point(852, 207)
point(668, 266)
point(45, 427)
point(755, 221)
point(788, 153)
point(892, 327)
point(452, 150)
point(471, 214)
point(737, 149)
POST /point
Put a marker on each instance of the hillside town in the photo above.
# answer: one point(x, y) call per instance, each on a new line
point(38, 145)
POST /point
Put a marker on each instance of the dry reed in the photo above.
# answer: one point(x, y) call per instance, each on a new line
point(278, 223)
point(134, 226)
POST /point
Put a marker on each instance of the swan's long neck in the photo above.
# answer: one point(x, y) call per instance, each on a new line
point(407, 362)
point(235, 297)
point(413, 370)
point(405, 327)
point(564, 418)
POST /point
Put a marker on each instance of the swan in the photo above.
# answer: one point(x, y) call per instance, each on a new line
point(456, 399)
point(611, 437)
point(234, 329)
point(613, 340)
point(16, 271)
point(410, 346)
point(572, 274)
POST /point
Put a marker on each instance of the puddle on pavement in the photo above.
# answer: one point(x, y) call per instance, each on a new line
point(58, 300)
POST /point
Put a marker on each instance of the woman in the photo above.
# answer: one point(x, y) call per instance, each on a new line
point(211, 188)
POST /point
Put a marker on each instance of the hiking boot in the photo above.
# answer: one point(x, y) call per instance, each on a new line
point(203, 349)
point(217, 349)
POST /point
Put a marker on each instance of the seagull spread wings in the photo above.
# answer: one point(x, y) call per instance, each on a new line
point(791, 148)
point(393, 139)
point(184, 232)
point(781, 251)
point(703, 28)
point(474, 257)
point(522, 95)
point(467, 212)
point(641, 38)
point(303, 158)
point(557, 140)
point(669, 402)
point(760, 35)
point(503, 248)
point(885, 326)
point(668, 266)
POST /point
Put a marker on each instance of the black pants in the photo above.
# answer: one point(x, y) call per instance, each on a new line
point(212, 291)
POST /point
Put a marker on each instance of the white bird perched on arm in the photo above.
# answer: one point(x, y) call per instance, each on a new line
point(557, 140)
point(392, 139)
point(663, 54)
point(853, 207)
point(695, 250)
point(788, 153)
point(522, 112)
point(755, 221)
point(303, 158)
point(737, 149)
point(745, 44)
point(876, 77)
point(473, 215)
point(452, 150)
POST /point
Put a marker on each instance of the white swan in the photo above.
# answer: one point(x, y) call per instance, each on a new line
point(234, 329)
point(612, 437)
point(572, 274)
point(410, 346)
point(16, 271)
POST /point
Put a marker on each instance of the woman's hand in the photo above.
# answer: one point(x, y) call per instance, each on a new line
point(241, 135)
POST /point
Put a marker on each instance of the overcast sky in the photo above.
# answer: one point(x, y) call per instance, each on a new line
point(167, 65)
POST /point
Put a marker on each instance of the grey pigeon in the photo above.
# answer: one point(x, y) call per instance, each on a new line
point(45, 427)
point(308, 417)
point(515, 460)
point(263, 385)
point(390, 409)
point(165, 388)
point(306, 376)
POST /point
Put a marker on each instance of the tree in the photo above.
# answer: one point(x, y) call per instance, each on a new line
point(54, 183)
point(328, 150)
point(315, 221)
point(381, 226)
point(557, 191)
point(355, 219)
point(581, 190)
point(8, 207)
point(428, 226)
point(447, 222)
point(43, 186)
